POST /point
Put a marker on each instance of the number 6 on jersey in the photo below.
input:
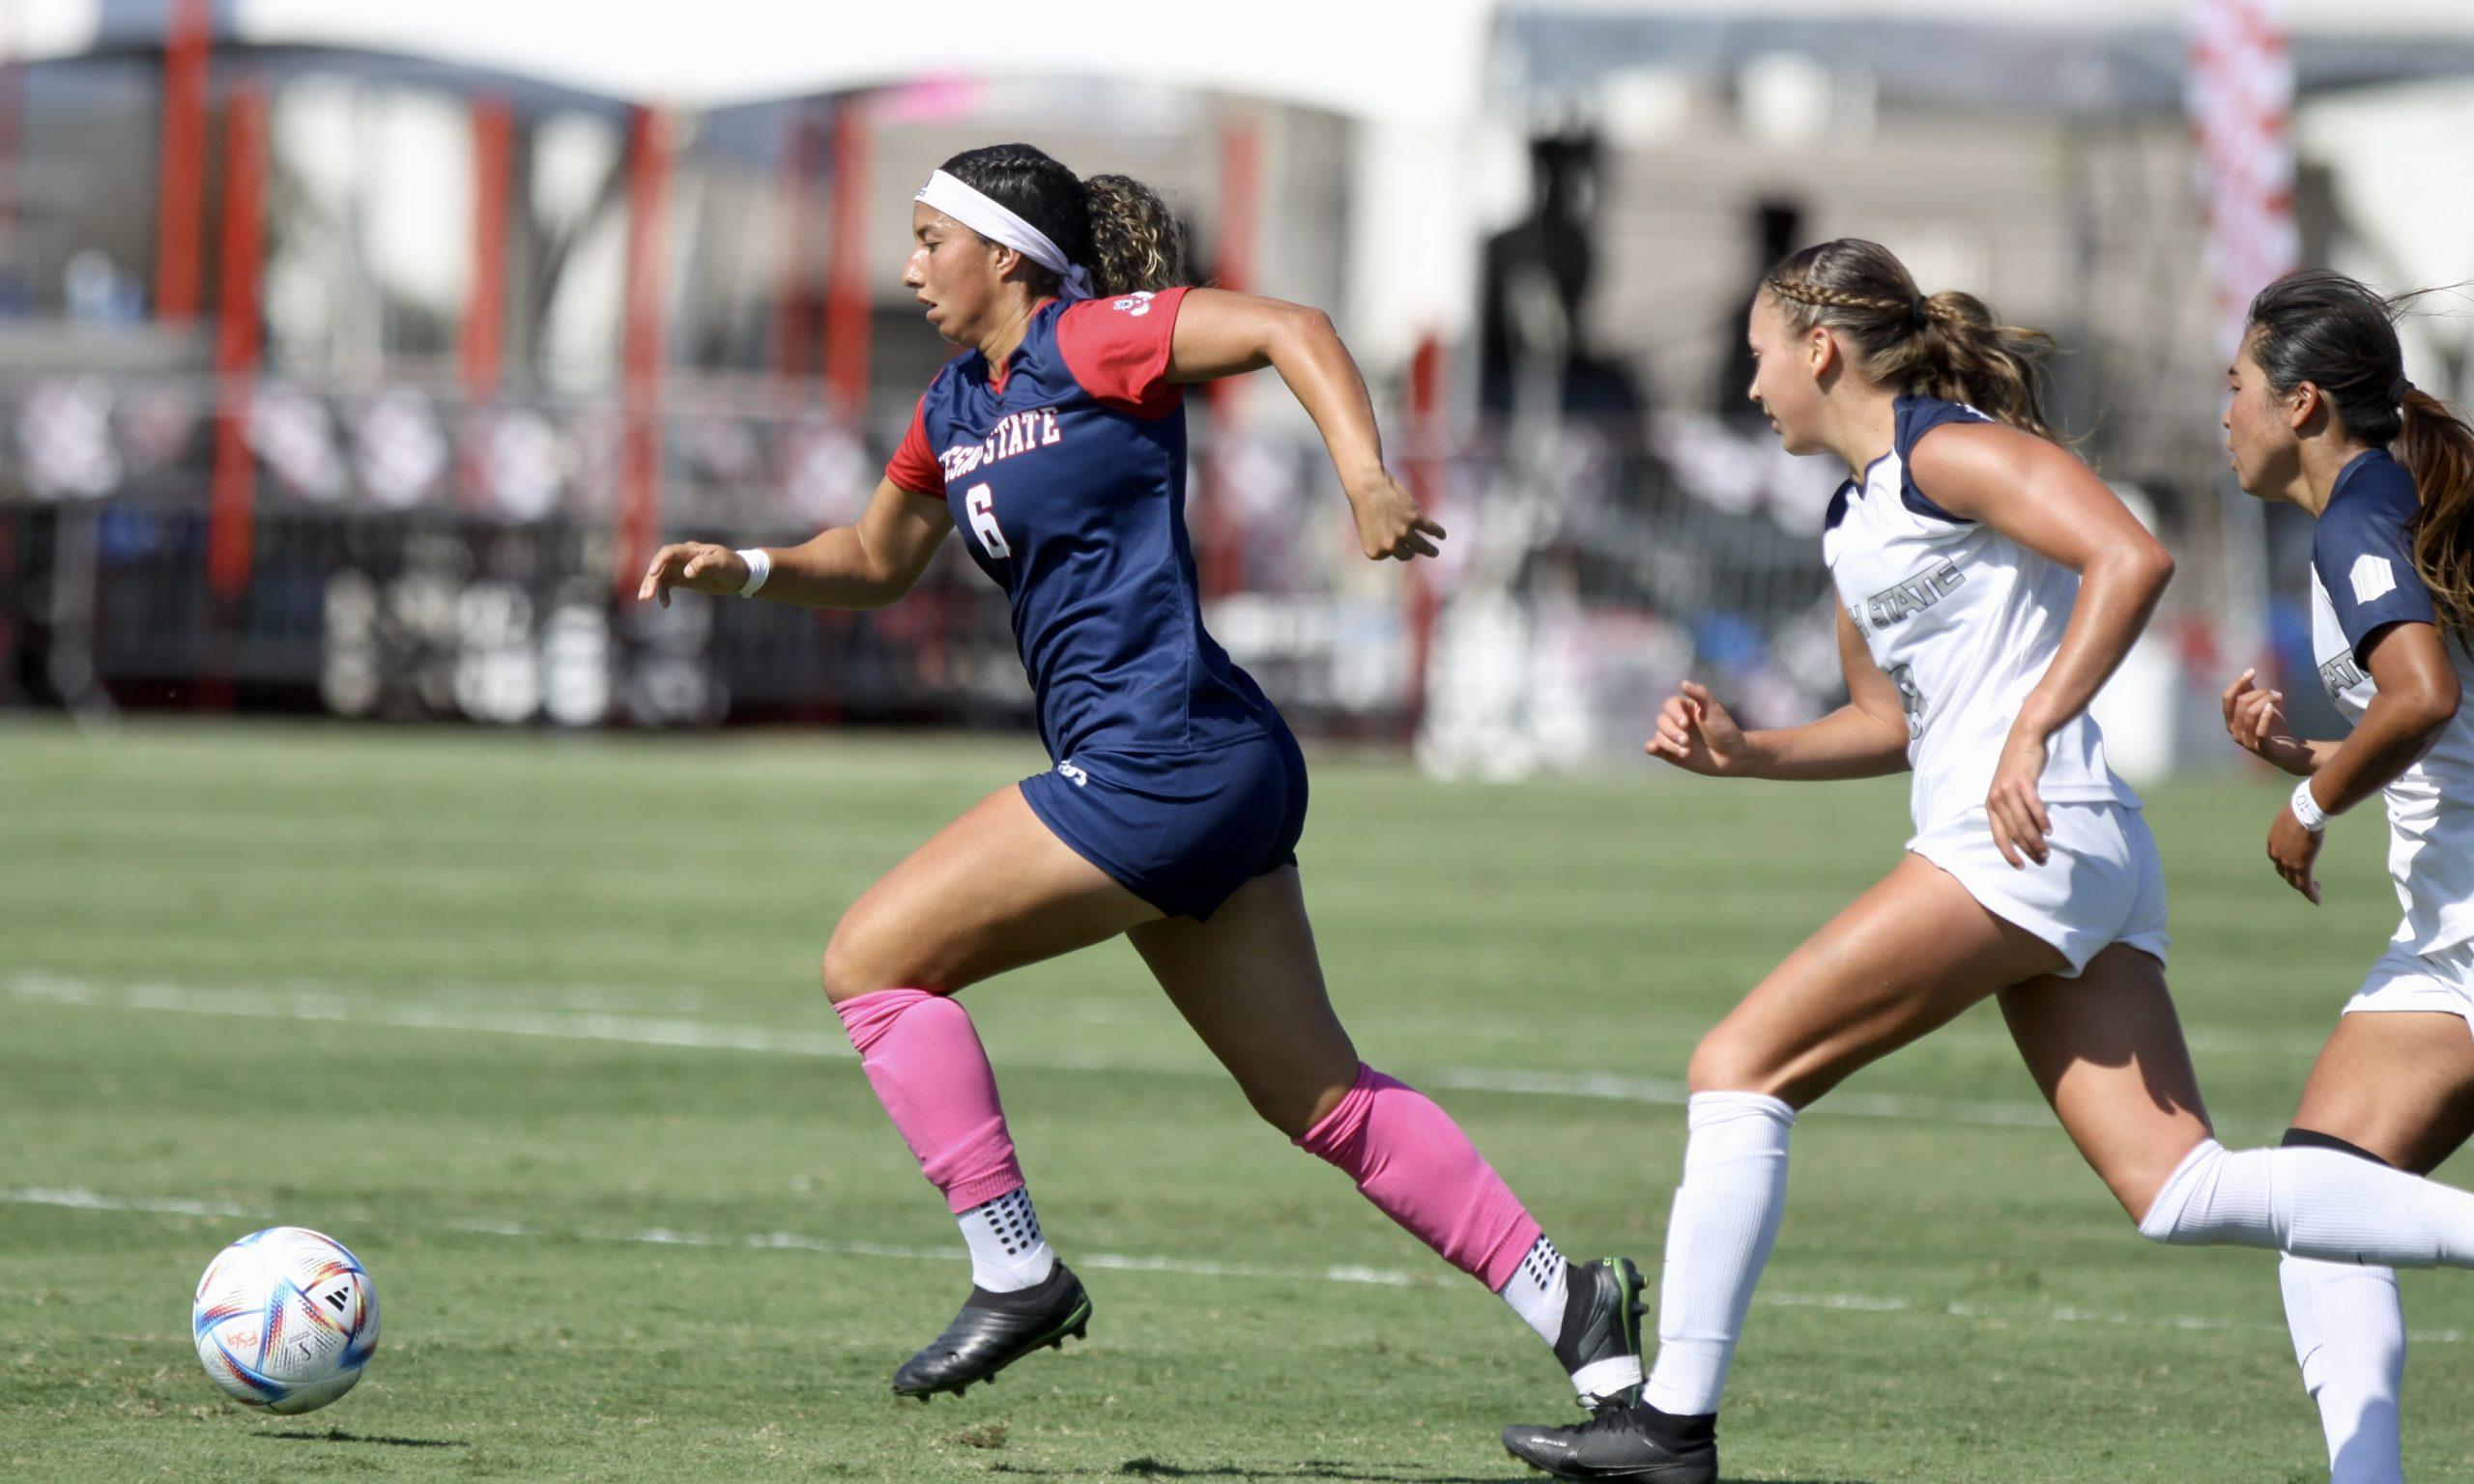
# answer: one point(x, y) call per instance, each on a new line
point(981, 506)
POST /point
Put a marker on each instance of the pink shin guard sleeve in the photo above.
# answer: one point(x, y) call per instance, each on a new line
point(1415, 1164)
point(926, 1063)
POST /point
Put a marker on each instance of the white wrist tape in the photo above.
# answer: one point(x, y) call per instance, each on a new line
point(2307, 811)
point(759, 567)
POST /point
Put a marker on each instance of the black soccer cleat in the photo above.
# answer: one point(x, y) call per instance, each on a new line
point(1602, 1330)
point(992, 1331)
point(1632, 1441)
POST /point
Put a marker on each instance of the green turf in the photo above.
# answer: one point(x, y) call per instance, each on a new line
point(500, 1010)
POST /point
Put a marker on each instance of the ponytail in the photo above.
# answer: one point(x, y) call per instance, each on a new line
point(1947, 346)
point(1999, 369)
point(1112, 224)
point(2437, 449)
point(1136, 242)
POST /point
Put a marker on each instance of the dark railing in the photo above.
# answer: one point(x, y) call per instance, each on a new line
point(413, 556)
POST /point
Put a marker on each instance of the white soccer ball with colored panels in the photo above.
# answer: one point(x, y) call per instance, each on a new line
point(285, 1318)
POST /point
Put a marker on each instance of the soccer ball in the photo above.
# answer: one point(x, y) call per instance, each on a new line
point(285, 1318)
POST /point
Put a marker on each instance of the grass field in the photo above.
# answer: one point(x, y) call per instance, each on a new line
point(531, 1023)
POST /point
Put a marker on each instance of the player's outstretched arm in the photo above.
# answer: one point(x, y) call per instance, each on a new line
point(1220, 334)
point(1864, 738)
point(867, 565)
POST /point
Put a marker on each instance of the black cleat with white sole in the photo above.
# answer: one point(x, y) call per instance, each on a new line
point(1600, 1343)
point(992, 1331)
point(1633, 1442)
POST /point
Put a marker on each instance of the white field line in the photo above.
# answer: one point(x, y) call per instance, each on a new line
point(1668, 1092)
point(569, 1005)
point(794, 1242)
point(771, 1242)
point(327, 1003)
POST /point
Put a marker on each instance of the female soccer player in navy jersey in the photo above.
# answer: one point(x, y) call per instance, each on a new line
point(2321, 414)
point(1988, 584)
point(1057, 441)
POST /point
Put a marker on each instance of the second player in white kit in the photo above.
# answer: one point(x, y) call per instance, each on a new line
point(1988, 586)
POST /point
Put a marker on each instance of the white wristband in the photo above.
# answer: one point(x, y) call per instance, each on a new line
point(2307, 811)
point(759, 567)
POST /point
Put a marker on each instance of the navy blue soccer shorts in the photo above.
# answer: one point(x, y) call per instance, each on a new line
point(1183, 831)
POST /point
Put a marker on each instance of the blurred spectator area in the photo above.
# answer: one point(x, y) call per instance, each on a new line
point(349, 362)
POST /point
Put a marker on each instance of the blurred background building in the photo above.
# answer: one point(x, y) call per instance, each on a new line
point(353, 358)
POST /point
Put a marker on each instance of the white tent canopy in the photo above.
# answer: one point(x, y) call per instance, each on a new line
point(2094, 58)
point(1364, 58)
point(1440, 87)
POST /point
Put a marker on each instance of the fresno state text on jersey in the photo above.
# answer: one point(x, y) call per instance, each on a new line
point(1065, 470)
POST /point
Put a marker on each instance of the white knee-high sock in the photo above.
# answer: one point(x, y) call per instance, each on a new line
point(2313, 1203)
point(2350, 1336)
point(1718, 1240)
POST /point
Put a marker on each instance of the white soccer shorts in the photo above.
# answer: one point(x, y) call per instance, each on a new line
point(2101, 883)
point(2406, 980)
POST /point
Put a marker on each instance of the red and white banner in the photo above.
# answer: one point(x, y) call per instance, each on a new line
point(2240, 92)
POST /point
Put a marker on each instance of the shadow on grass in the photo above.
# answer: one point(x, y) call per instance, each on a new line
point(339, 1434)
point(1304, 1469)
point(1307, 1469)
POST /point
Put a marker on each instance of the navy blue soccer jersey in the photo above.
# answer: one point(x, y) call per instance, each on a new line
point(2363, 552)
point(1066, 475)
point(2363, 582)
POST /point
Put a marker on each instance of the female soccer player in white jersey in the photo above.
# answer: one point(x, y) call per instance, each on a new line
point(1988, 584)
point(1171, 814)
point(2321, 414)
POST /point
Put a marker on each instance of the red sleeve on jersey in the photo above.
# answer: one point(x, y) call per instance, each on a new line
point(1118, 349)
point(912, 466)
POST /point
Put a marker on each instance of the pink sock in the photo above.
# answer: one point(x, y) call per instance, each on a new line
point(929, 1071)
point(1415, 1165)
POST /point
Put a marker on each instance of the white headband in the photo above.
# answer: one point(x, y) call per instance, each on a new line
point(959, 200)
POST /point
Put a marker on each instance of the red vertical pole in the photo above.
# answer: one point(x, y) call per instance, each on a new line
point(800, 151)
point(232, 499)
point(13, 111)
point(1224, 553)
point(181, 184)
point(848, 309)
point(648, 161)
point(1240, 188)
point(1428, 449)
point(484, 335)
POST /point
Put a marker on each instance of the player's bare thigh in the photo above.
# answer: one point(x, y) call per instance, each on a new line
point(1250, 985)
point(2397, 1083)
point(992, 891)
point(2107, 1051)
point(1900, 960)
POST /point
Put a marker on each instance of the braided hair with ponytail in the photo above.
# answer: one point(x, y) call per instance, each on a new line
point(2340, 335)
point(1947, 345)
point(1112, 224)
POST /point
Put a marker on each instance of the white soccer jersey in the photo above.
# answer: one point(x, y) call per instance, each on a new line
point(1964, 620)
point(2363, 580)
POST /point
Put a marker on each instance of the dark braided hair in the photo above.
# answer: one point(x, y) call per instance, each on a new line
point(1948, 344)
point(1112, 224)
point(2340, 335)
